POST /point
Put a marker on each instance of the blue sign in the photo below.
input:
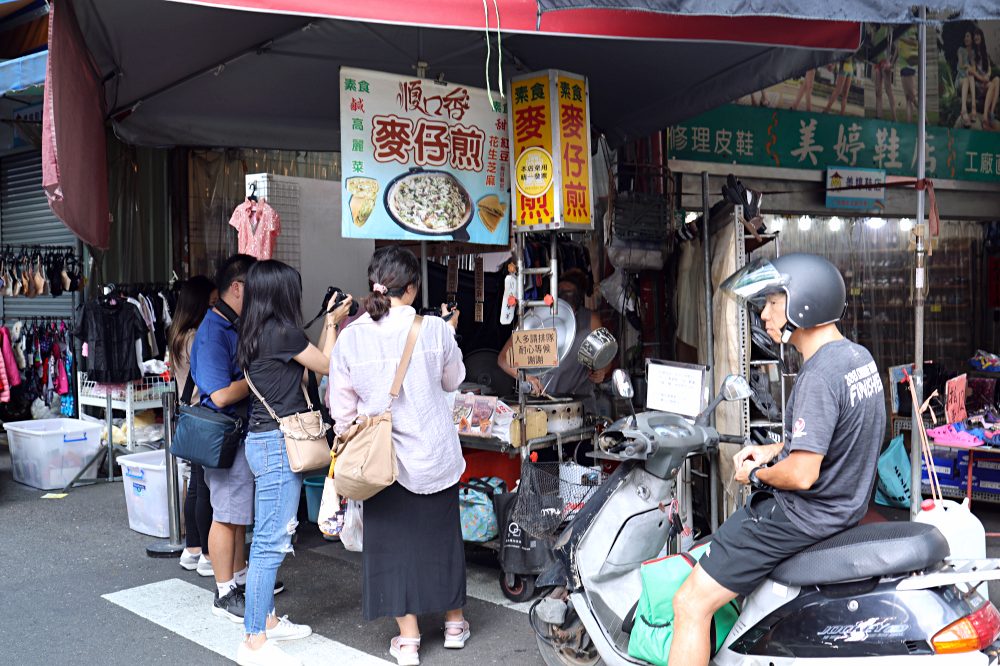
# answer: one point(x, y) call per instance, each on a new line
point(859, 190)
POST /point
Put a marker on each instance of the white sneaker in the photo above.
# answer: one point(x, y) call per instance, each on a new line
point(267, 654)
point(288, 630)
point(188, 561)
point(205, 567)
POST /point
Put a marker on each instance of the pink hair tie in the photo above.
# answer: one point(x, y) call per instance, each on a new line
point(379, 288)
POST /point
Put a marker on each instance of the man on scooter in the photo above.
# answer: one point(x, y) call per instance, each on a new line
point(819, 480)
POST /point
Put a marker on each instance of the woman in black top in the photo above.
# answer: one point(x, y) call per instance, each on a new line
point(275, 353)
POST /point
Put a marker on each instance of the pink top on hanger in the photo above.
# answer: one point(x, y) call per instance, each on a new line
point(258, 225)
point(11, 371)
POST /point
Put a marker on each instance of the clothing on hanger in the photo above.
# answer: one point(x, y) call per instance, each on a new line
point(113, 330)
point(257, 224)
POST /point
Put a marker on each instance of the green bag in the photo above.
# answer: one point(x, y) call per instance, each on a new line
point(653, 630)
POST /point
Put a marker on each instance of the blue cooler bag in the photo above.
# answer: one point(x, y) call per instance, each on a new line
point(475, 503)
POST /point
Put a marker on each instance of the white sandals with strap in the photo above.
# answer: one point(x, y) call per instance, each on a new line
point(456, 641)
point(405, 658)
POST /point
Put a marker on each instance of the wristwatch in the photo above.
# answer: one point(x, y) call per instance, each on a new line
point(754, 481)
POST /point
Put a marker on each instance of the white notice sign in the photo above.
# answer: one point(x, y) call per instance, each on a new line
point(678, 388)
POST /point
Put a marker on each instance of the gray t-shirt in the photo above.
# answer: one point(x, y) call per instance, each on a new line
point(837, 409)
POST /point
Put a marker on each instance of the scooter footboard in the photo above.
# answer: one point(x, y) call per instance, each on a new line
point(610, 654)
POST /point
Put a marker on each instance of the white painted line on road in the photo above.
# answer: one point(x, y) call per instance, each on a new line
point(186, 610)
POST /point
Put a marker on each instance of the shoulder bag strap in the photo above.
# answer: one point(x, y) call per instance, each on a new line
point(305, 393)
point(188, 389)
point(404, 361)
point(259, 396)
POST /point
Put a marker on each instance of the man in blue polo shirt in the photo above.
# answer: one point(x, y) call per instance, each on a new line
point(223, 388)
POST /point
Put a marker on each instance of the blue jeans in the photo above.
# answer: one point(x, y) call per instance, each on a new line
point(276, 504)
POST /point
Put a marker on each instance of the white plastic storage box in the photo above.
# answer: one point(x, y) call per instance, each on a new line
point(48, 453)
point(145, 478)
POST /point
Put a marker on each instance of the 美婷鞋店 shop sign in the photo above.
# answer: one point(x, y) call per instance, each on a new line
point(550, 161)
point(422, 160)
point(798, 140)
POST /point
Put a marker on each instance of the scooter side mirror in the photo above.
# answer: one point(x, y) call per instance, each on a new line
point(622, 385)
point(735, 387)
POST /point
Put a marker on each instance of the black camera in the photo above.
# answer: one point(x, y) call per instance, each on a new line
point(436, 312)
point(341, 297)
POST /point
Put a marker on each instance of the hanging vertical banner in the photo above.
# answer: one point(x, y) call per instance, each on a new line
point(574, 144)
point(550, 140)
point(422, 160)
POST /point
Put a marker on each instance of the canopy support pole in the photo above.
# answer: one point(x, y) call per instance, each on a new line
point(706, 248)
point(920, 277)
point(424, 289)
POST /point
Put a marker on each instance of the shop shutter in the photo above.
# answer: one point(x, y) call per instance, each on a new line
point(25, 219)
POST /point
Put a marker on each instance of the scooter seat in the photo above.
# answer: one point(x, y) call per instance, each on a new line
point(865, 551)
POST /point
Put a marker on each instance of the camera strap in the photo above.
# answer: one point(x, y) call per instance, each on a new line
point(322, 310)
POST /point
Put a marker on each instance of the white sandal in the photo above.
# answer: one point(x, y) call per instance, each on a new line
point(456, 641)
point(405, 658)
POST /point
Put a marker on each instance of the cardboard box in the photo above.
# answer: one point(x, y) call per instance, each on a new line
point(537, 422)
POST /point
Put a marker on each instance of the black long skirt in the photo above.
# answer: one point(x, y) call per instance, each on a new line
point(413, 560)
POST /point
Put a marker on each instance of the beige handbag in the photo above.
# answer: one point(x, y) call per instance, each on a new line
point(366, 456)
point(305, 434)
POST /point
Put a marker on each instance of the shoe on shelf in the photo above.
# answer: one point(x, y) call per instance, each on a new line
point(188, 561)
point(288, 630)
point(205, 567)
point(279, 587)
point(232, 606)
point(405, 657)
point(267, 654)
point(456, 634)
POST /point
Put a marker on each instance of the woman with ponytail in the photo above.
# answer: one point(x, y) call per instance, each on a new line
point(413, 559)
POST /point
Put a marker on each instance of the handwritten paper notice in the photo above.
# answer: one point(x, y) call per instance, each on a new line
point(675, 387)
point(535, 349)
point(954, 404)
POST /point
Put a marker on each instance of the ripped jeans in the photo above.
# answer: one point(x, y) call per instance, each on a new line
point(276, 503)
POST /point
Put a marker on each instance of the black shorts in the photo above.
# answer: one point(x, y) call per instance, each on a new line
point(751, 543)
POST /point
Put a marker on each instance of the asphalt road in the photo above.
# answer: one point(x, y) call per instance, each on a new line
point(78, 588)
point(64, 555)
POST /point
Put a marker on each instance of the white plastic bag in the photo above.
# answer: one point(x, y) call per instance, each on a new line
point(329, 519)
point(352, 536)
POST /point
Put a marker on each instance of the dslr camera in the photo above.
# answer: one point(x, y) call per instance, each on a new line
point(341, 296)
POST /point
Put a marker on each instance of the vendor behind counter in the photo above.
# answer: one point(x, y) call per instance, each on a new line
point(570, 378)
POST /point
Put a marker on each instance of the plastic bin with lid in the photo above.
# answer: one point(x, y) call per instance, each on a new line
point(47, 453)
point(144, 476)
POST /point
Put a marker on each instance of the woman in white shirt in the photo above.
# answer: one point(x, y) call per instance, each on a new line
point(413, 559)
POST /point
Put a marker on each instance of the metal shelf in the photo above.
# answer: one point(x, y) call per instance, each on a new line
point(130, 397)
point(955, 493)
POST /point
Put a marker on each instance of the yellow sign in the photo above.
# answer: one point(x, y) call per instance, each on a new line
point(549, 127)
point(574, 143)
point(533, 173)
point(534, 349)
point(531, 127)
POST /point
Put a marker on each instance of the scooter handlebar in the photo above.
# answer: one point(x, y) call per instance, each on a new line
point(732, 439)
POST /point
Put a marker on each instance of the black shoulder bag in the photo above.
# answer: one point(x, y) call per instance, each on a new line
point(204, 436)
